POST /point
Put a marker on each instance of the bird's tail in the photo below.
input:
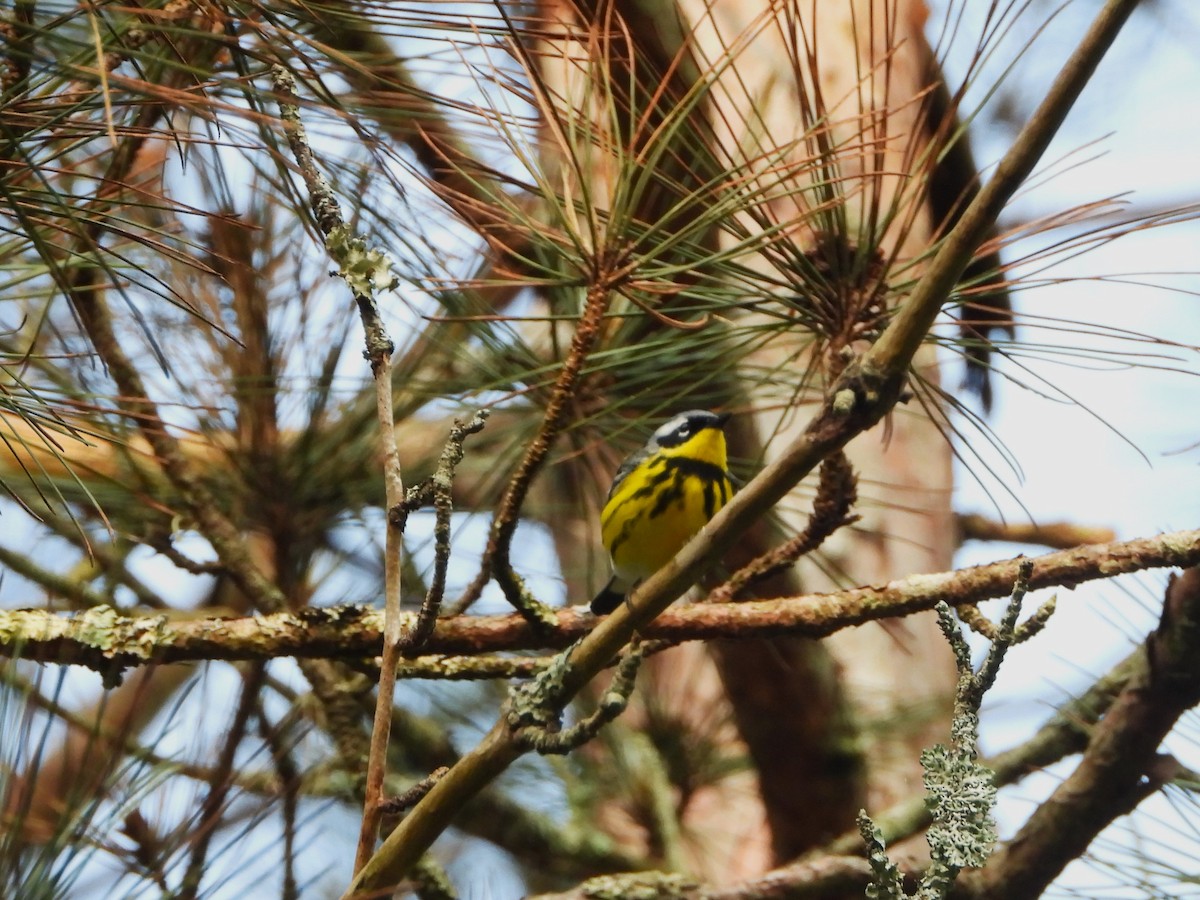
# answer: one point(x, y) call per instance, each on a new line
point(608, 599)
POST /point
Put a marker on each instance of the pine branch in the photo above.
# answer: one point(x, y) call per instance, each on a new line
point(105, 640)
point(1058, 535)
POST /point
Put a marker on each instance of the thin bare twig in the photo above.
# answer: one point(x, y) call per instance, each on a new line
point(979, 623)
point(1057, 535)
point(439, 487)
point(364, 271)
point(214, 801)
point(281, 744)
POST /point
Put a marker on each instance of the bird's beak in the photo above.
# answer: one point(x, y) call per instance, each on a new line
point(722, 418)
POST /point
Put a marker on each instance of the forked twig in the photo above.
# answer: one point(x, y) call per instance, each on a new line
point(438, 489)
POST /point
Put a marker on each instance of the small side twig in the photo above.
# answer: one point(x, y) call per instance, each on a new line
point(837, 492)
point(161, 543)
point(970, 616)
point(535, 709)
point(438, 488)
point(886, 883)
point(393, 806)
point(440, 667)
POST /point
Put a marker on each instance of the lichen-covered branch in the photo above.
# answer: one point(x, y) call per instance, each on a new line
point(1118, 768)
point(535, 711)
point(103, 639)
point(826, 878)
point(365, 271)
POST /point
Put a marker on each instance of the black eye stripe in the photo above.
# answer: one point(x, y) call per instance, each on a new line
point(685, 428)
point(676, 437)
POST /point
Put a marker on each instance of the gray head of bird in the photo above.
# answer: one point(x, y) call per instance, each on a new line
point(686, 425)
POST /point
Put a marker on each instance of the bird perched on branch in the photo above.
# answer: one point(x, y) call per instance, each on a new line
point(660, 497)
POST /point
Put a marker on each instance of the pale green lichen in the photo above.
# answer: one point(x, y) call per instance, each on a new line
point(117, 637)
point(366, 270)
point(99, 627)
point(885, 882)
point(960, 794)
point(643, 886)
point(538, 703)
point(151, 634)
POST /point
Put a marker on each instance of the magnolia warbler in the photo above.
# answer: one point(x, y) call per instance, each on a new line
point(660, 497)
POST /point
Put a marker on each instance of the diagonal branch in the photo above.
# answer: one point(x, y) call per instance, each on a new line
point(861, 397)
point(916, 316)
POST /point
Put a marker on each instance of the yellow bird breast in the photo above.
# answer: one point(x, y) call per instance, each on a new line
point(658, 507)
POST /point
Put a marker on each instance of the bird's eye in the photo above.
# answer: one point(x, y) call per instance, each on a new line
point(685, 430)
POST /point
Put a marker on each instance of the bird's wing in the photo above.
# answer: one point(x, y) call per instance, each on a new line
point(631, 462)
